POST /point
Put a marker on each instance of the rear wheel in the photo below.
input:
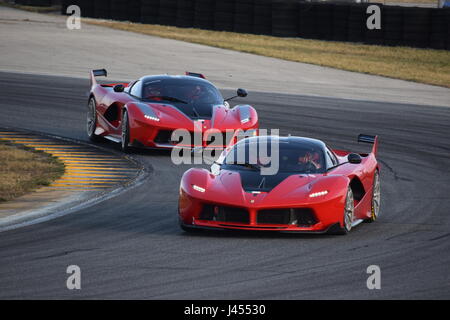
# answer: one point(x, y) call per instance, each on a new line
point(376, 198)
point(91, 123)
point(125, 133)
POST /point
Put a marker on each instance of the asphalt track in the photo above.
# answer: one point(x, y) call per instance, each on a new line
point(131, 246)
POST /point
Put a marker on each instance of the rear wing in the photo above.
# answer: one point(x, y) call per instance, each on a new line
point(194, 74)
point(97, 73)
point(366, 138)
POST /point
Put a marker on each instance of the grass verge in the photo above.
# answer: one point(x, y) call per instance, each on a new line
point(24, 169)
point(420, 65)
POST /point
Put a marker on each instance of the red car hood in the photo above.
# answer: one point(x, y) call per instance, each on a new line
point(222, 118)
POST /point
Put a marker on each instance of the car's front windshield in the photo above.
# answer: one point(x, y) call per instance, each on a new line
point(193, 97)
point(292, 157)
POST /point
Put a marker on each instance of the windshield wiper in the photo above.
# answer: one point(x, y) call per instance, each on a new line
point(168, 99)
point(195, 111)
point(248, 165)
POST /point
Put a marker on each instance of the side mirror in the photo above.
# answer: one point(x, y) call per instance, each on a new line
point(118, 88)
point(215, 168)
point(241, 92)
point(354, 158)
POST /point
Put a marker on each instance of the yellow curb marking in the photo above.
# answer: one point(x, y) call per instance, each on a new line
point(90, 159)
point(84, 167)
point(85, 170)
point(93, 175)
point(89, 179)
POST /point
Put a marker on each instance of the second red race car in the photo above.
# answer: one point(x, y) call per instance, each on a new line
point(315, 188)
point(146, 112)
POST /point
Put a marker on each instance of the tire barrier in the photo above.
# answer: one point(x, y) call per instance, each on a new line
point(323, 14)
point(262, 17)
point(224, 15)
point(64, 5)
point(340, 22)
point(119, 10)
point(204, 14)
point(285, 22)
point(134, 10)
point(440, 29)
point(185, 13)
point(36, 3)
point(416, 27)
point(307, 24)
point(102, 9)
point(356, 28)
point(150, 11)
point(400, 26)
point(392, 25)
point(243, 16)
point(168, 12)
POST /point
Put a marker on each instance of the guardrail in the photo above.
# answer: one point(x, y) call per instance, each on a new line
point(400, 26)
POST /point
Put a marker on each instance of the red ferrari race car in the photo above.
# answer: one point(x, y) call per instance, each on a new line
point(315, 189)
point(146, 112)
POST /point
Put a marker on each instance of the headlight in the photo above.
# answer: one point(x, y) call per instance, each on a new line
point(200, 189)
point(243, 121)
point(154, 118)
point(318, 194)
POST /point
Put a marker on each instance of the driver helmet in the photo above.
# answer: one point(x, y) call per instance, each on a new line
point(312, 157)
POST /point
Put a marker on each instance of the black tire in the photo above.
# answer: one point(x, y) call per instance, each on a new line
point(102, 9)
point(285, 19)
point(262, 17)
point(348, 216)
point(340, 22)
point(125, 141)
point(306, 20)
point(357, 22)
point(119, 10)
point(185, 13)
point(91, 121)
point(150, 12)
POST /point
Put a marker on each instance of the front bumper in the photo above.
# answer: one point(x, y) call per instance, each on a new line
point(201, 226)
point(320, 217)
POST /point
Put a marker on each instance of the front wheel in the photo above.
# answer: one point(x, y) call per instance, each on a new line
point(125, 133)
point(348, 216)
